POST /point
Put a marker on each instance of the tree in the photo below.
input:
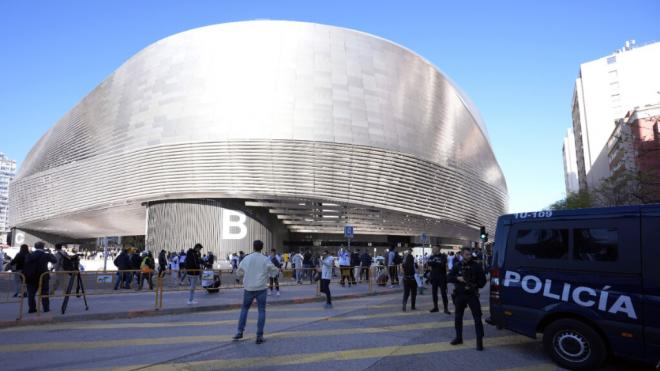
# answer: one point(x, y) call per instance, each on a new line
point(574, 200)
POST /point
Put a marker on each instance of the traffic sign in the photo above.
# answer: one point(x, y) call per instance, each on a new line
point(348, 231)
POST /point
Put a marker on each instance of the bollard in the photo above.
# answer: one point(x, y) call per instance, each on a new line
point(371, 280)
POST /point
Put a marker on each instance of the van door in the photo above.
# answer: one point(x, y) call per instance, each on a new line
point(651, 281)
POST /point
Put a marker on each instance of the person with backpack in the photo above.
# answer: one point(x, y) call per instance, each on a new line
point(123, 263)
point(468, 277)
point(274, 280)
point(193, 264)
point(36, 264)
point(147, 267)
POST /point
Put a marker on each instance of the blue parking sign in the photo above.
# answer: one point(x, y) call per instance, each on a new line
point(348, 231)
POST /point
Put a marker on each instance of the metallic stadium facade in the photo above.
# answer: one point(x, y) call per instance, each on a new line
point(302, 127)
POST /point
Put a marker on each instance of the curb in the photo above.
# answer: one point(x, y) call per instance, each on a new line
point(139, 313)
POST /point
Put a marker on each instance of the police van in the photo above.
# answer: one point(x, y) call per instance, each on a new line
point(587, 279)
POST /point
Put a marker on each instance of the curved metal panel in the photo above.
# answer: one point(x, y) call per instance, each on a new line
point(263, 110)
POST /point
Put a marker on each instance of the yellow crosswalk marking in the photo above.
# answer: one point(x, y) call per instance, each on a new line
point(346, 355)
point(539, 367)
point(74, 345)
point(143, 325)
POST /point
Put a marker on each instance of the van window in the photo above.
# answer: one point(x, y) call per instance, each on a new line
point(549, 244)
point(596, 244)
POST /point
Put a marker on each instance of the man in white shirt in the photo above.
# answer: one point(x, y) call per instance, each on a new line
point(255, 269)
point(298, 266)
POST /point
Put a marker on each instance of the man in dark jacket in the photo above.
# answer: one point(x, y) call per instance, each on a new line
point(18, 264)
point(162, 263)
point(193, 265)
point(468, 277)
point(355, 263)
point(36, 264)
point(365, 263)
point(136, 261)
point(438, 278)
point(123, 262)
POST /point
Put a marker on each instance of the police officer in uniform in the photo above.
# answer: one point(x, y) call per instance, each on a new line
point(468, 277)
point(438, 278)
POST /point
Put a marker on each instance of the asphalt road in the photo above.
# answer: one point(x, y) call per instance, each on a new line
point(370, 333)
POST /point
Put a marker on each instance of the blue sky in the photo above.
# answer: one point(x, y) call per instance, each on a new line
point(517, 60)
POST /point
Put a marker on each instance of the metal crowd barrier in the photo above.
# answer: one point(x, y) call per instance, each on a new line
point(12, 283)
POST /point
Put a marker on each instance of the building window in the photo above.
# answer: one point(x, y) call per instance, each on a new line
point(595, 244)
point(543, 243)
point(611, 59)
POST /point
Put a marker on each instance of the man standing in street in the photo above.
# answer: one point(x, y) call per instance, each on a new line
point(327, 263)
point(468, 277)
point(255, 269)
point(365, 262)
point(393, 260)
point(438, 278)
point(193, 265)
point(36, 264)
point(297, 262)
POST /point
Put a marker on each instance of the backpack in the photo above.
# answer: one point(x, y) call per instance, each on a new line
point(144, 266)
point(30, 267)
point(397, 258)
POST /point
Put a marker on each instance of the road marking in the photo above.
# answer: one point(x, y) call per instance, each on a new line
point(142, 325)
point(345, 355)
point(539, 367)
point(75, 345)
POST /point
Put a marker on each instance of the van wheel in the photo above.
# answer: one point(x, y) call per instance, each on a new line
point(574, 345)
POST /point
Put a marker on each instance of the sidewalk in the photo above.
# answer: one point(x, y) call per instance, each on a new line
point(131, 304)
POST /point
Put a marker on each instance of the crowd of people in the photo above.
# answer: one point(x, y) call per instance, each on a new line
point(261, 271)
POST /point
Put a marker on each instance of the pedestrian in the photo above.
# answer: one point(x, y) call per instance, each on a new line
point(327, 263)
point(365, 263)
point(123, 264)
point(438, 278)
point(147, 267)
point(344, 266)
point(468, 277)
point(60, 255)
point(210, 260)
point(17, 264)
point(355, 265)
point(136, 261)
point(162, 263)
point(308, 266)
point(182, 267)
point(274, 280)
point(297, 262)
point(234, 263)
point(409, 282)
point(450, 260)
point(175, 268)
point(36, 264)
point(285, 257)
point(255, 269)
point(393, 260)
point(193, 265)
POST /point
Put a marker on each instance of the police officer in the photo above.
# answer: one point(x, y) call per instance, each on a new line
point(438, 278)
point(468, 277)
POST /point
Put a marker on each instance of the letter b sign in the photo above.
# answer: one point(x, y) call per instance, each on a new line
point(233, 225)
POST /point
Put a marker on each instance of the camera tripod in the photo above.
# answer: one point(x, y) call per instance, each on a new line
point(74, 276)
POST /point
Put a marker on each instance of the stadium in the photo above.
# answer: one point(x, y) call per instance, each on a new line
point(274, 130)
